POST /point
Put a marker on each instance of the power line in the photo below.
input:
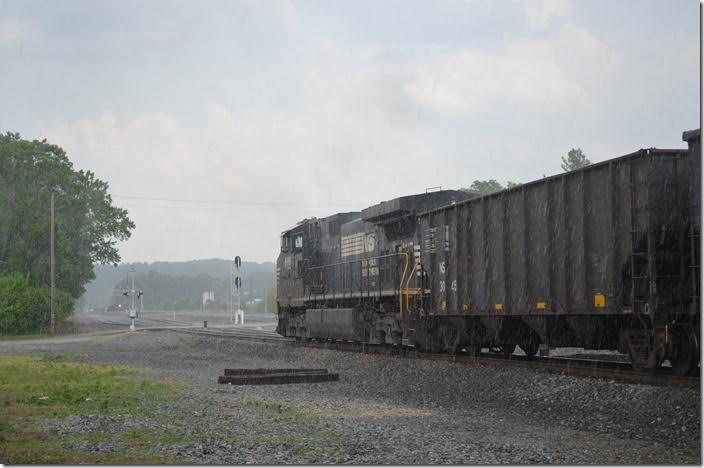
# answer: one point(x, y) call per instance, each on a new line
point(221, 202)
point(212, 208)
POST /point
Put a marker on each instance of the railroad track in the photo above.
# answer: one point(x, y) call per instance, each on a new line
point(250, 331)
point(243, 334)
point(609, 370)
point(601, 369)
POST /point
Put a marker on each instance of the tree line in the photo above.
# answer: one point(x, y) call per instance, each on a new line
point(184, 292)
point(87, 228)
point(574, 160)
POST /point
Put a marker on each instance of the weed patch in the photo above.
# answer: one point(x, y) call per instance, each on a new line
point(52, 387)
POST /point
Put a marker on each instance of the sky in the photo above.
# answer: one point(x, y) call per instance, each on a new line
point(220, 124)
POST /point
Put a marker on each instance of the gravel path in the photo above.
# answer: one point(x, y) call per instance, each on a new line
point(384, 409)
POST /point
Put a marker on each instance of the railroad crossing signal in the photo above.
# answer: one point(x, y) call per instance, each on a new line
point(133, 294)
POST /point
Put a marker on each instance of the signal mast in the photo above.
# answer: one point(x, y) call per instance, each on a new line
point(235, 287)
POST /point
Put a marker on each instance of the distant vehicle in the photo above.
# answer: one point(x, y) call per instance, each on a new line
point(603, 257)
point(114, 308)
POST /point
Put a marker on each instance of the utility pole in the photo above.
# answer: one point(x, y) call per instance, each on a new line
point(52, 319)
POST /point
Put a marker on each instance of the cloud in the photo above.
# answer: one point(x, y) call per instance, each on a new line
point(145, 150)
point(159, 37)
point(12, 31)
point(553, 74)
point(539, 13)
point(326, 120)
point(347, 117)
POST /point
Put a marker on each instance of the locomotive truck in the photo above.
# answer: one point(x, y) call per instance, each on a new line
point(604, 257)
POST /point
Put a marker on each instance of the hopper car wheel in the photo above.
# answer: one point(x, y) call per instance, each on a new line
point(531, 349)
point(685, 351)
point(474, 348)
point(507, 349)
point(452, 342)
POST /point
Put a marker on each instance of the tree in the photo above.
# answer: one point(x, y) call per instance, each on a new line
point(25, 308)
point(87, 224)
point(575, 160)
point(485, 187)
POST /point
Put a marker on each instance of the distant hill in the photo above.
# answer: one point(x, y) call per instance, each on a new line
point(192, 276)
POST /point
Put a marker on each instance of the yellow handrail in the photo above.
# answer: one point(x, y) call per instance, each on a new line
point(400, 286)
point(410, 277)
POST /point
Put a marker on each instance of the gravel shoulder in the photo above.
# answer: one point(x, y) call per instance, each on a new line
point(382, 410)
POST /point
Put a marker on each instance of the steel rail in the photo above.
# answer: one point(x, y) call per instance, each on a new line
point(608, 370)
point(579, 367)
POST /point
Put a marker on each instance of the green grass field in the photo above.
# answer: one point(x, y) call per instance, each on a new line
point(33, 389)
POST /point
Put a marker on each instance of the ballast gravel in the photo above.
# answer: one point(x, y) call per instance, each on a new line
point(384, 409)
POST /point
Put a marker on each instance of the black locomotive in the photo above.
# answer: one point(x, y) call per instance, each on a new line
point(605, 257)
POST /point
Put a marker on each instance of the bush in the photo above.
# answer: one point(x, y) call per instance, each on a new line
point(25, 309)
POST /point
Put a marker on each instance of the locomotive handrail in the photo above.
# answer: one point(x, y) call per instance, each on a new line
point(403, 277)
point(408, 283)
point(358, 260)
point(400, 287)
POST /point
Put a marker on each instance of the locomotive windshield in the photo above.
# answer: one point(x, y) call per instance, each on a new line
point(285, 243)
point(298, 242)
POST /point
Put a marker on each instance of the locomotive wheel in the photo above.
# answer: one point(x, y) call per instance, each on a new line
point(507, 349)
point(396, 338)
point(531, 348)
point(685, 351)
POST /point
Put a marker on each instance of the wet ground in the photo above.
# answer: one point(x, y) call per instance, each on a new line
point(383, 409)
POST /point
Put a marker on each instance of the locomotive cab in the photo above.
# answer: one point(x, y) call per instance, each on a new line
point(300, 248)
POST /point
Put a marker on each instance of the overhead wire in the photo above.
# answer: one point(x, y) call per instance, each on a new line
point(212, 208)
point(242, 203)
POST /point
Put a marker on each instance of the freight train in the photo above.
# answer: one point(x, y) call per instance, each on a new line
point(604, 257)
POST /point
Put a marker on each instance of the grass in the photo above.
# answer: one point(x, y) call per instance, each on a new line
point(39, 388)
point(34, 390)
point(23, 337)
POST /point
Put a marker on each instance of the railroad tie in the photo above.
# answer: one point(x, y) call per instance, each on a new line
point(275, 376)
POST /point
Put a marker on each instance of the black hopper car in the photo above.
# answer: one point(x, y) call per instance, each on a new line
point(605, 257)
